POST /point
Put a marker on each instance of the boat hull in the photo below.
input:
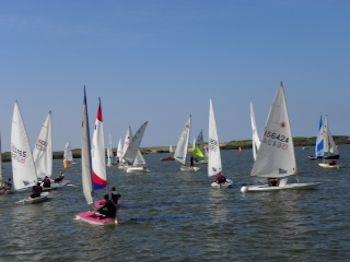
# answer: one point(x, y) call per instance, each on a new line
point(42, 198)
point(138, 169)
point(328, 166)
point(167, 159)
point(227, 184)
point(291, 186)
point(90, 217)
point(189, 168)
point(55, 186)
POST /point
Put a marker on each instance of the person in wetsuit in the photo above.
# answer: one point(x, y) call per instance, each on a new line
point(220, 179)
point(191, 161)
point(47, 182)
point(108, 210)
point(114, 196)
point(59, 178)
point(36, 191)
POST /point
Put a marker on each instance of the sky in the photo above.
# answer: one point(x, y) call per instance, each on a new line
point(162, 60)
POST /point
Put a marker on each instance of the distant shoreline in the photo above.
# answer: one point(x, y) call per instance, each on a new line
point(233, 145)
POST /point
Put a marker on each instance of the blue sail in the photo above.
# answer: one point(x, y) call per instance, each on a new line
point(319, 149)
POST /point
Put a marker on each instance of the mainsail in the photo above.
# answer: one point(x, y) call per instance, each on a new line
point(330, 146)
point(214, 159)
point(182, 145)
point(276, 156)
point(127, 140)
point(110, 154)
point(43, 149)
point(23, 167)
point(255, 137)
point(99, 177)
point(319, 148)
point(119, 149)
point(67, 154)
point(86, 166)
point(131, 152)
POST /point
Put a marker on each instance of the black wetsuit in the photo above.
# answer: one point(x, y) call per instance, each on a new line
point(36, 191)
point(59, 179)
point(115, 197)
point(108, 210)
point(47, 183)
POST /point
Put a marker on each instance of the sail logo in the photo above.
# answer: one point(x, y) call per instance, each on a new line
point(41, 145)
point(276, 140)
point(213, 145)
point(18, 154)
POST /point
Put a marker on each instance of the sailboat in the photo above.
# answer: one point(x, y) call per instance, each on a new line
point(128, 136)
point(276, 158)
point(255, 136)
point(67, 156)
point(214, 159)
point(139, 164)
point(23, 167)
point(119, 151)
point(93, 165)
point(327, 149)
point(170, 157)
point(110, 154)
point(182, 148)
point(199, 150)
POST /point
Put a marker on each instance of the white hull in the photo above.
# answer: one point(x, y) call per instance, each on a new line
point(42, 198)
point(137, 169)
point(328, 166)
point(189, 168)
point(227, 184)
point(123, 167)
point(55, 186)
point(264, 188)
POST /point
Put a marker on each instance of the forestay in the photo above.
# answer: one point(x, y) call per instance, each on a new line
point(23, 167)
point(182, 145)
point(214, 159)
point(276, 156)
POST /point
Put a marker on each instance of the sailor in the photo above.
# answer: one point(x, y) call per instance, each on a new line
point(108, 210)
point(115, 196)
point(47, 182)
point(272, 181)
point(37, 189)
point(191, 161)
point(8, 184)
point(220, 179)
point(59, 178)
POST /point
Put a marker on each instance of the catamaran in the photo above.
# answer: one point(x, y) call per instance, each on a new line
point(67, 156)
point(276, 158)
point(255, 136)
point(182, 148)
point(214, 159)
point(326, 147)
point(93, 165)
point(199, 152)
point(23, 166)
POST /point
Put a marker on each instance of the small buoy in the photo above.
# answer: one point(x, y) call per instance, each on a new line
point(244, 189)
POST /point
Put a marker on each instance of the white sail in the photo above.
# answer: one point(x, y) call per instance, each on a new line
point(214, 159)
point(86, 167)
point(99, 176)
point(330, 146)
point(171, 149)
point(134, 145)
point(110, 155)
point(119, 149)
point(43, 149)
point(23, 167)
point(127, 140)
point(182, 145)
point(139, 160)
point(276, 156)
point(255, 138)
point(67, 153)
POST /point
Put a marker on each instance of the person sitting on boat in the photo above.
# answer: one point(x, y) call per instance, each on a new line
point(108, 210)
point(37, 189)
point(191, 161)
point(333, 163)
point(46, 182)
point(115, 196)
point(220, 179)
point(59, 178)
point(8, 184)
point(272, 181)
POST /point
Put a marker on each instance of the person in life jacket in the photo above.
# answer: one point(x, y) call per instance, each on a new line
point(108, 210)
point(59, 178)
point(37, 189)
point(47, 182)
point(220, 179)
point(115, 196)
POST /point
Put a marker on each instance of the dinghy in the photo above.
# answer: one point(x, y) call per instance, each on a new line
point(255, 139)
point(139, 165)
point(128, 136)
point(110, 154)
point(200, 158)
point(119, 151)
point(326, 149)
point(276, 158)
point(93, 166)
point(169, 158)
point(23, 166)
point(182, 148)
point(67, 156)
point(214, 159)
point(29, 200)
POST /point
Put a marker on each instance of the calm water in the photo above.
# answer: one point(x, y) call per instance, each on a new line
point(171, 216)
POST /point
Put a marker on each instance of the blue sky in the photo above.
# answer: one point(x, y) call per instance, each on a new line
point(161, 60)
